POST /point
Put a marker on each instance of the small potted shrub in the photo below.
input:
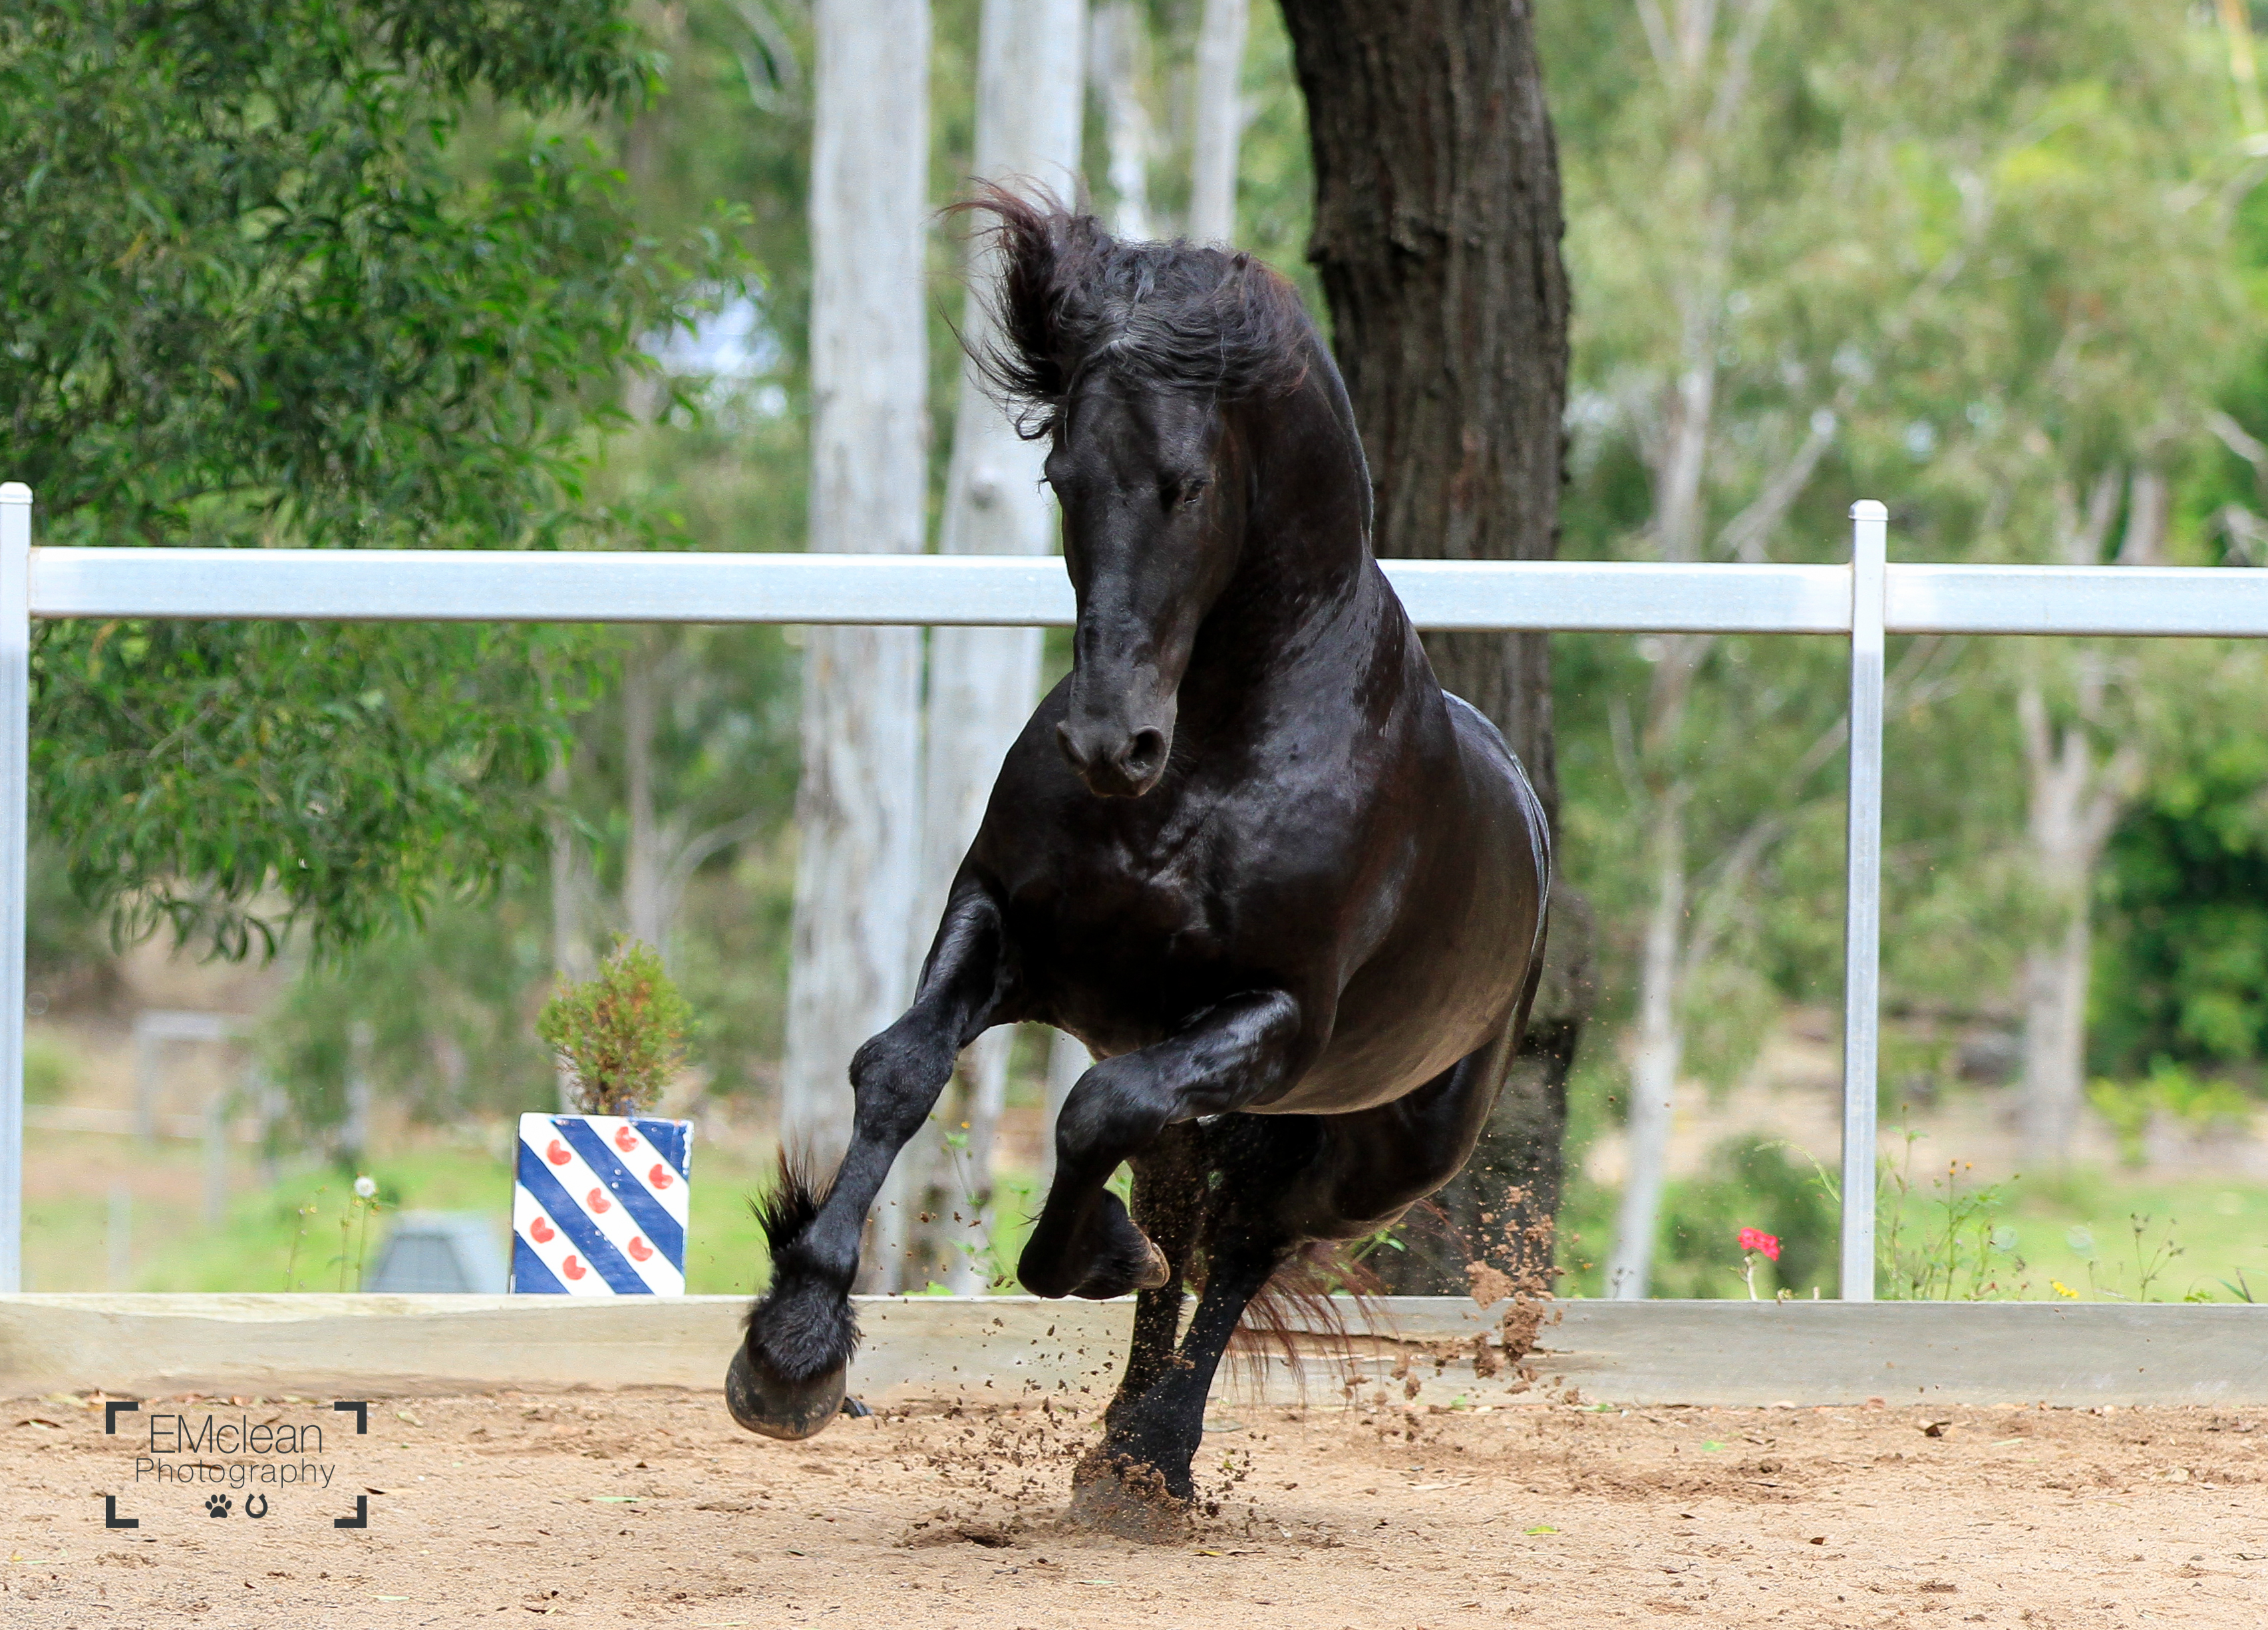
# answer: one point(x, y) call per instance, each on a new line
point(598, 1207)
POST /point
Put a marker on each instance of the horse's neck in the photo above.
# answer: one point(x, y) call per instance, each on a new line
point(1308, 602)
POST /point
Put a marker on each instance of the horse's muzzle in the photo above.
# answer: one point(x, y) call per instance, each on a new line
point(763, 1400)
point(1113, 763)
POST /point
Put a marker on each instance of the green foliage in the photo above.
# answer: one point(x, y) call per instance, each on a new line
point(2149, 1258)
point(258, 287)
point(2183, 971)
point(356, 770)
point(359, 1200)
point(699, 460)
point(1945, 1238)
point(436, 1022)
point(620, 1036)
point(2194, 1104)
point(1746, 1184)
point(49, 1070)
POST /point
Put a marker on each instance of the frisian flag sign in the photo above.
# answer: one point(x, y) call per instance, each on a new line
point(598, 1206)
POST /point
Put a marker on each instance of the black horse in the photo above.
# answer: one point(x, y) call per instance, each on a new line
point(1288, 893)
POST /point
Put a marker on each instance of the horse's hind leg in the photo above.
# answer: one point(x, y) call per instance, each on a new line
point(1372, 1166)
point(1284, 1180)
point(787, 1378)
point(1137, 1481)
point(1169, 1195)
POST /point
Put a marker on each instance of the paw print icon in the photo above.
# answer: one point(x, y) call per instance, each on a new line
point(217, 1506)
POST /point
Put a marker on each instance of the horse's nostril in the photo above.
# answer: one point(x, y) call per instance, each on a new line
point(1145, 753)
point(1068, 743)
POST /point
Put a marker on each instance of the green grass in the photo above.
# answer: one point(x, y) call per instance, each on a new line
point(2202, 1237)
point(2076, 1229)
point(287, 1234)
point(2114, 1236)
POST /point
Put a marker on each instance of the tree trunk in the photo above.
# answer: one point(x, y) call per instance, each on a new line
point(1217, 124)
point(571, 947)
point(984, 682)
point(2055, 1037)
point(641, 860)
point(859, 804)
point(2074, 805)
point(1658, 1057)
point(1120, 62)
point(1437, 233)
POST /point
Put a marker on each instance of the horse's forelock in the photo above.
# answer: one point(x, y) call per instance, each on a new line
point(1178, 315)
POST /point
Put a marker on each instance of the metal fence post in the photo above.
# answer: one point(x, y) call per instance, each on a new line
point(1862, 932)
point(15, 791)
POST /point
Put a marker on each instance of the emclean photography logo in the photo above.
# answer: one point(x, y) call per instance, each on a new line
point(220, 1464)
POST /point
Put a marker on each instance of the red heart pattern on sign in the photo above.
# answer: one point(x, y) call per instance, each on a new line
point(580, 1171)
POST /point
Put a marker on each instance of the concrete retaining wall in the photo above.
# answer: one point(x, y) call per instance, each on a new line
point(1006, 1347)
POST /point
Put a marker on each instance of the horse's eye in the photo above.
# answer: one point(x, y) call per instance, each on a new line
point(1188, 492)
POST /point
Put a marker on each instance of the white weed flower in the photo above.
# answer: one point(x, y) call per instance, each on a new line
point(366, 1187)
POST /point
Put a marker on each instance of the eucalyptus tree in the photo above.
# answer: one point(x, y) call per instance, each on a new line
point(858, 803)
point(1800, 248)
point(678, 746)
point(1436, 239)
point(1751, 284)
point(1709, 187)
point(1217, 119)
point(1120, 64)
point(984, 682)
point(2081, 357)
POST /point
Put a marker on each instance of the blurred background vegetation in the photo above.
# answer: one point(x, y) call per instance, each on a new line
point(2002, 264)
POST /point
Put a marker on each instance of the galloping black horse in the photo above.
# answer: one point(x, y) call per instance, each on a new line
point(1288, 893)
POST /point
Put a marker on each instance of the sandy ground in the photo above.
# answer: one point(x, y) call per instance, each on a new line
point(654, 1510)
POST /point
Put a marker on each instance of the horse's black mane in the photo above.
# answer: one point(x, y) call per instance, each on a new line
point(1179, 315)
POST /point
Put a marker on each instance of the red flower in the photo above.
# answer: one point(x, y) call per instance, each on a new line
point(1756, 1239)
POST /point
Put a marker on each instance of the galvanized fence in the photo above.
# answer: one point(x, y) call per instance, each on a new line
point(1865, 599)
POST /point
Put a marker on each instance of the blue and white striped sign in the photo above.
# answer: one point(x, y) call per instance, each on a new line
point(599, 1205)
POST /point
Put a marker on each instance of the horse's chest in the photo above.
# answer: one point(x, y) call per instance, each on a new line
point(1122, 904)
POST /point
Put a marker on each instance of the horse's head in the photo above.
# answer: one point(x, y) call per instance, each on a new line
point(1134, 362)
point(1152, 517)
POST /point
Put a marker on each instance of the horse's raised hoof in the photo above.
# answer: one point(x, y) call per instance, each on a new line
point(1137, 1265)
point(1112, 1493)
point(1124, 1259)
point(763, 1400)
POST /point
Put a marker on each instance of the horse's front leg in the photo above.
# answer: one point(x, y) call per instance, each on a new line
point(1084, 1244)
point(787, 1379)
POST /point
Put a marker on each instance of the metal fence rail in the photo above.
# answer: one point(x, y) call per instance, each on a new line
point(1863, 600)
point(410, 586)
